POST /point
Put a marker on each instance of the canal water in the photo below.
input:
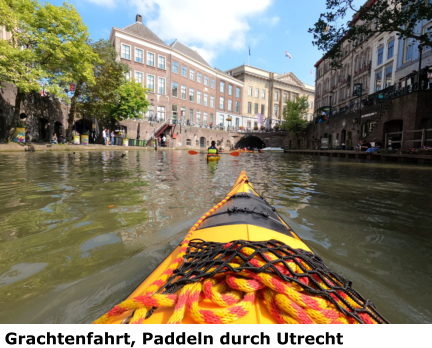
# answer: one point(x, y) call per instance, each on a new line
point(79, 232)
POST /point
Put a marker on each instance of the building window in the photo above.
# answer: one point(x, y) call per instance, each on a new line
point(188, 142)
point(263, 94)
point(311, 105)
point(285, 97)
point(390, 50)
point(183, 92)
point(276, 111)
point(237, 107)
point(150, 82)
point(294, 97)
point(183, 114)
point(389, 71)
point(138, 55)
point(205, 99)
point(161, 63)
point(408, 50)
point(191, 115)
point(205, 80)
point(198, 97)
point(161, 85)
point(199, 77)
point(150, 59)
point(191, 95)
point(174, 89)
point(237, 92)
point(230, 90)
point(125, 51)
point(174, 111)
point(262, 109)
point(212, 83)
point(229, 105)
point(378, 81)
point(380, 55)
point(205, 116)
point(249, 107)
point(191, 74)
point(184, 71)
point(276, 96)
point(211, 101)
point(250, 91)
point(211, 118)
point(139, 77)
point(256, 108)
point(161, 113)
point(222, 87)
point(221, 103)
point(256, 92)
point(198, 117)
point(175, 67)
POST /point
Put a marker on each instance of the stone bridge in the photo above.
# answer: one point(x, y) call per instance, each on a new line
point(257, 139)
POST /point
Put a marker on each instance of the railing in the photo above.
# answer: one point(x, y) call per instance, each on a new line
point(402, 141)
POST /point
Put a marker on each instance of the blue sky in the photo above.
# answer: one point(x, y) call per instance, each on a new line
point(220, 30)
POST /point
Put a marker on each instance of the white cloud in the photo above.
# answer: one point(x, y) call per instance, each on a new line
point(271, 21)
point(106, 3)
point(206, 26)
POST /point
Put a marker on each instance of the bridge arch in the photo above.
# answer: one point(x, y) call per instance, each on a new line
point(251, 141)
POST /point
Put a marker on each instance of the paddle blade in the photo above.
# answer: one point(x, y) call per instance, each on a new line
point(193, 152)
point(235, 154)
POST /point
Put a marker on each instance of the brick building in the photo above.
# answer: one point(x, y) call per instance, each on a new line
point(183, 87)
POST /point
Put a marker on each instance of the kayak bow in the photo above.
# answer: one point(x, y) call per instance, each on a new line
point(241, 263)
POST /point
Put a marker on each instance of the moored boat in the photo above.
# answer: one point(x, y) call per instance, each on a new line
point(242, 263)
point(273, 149)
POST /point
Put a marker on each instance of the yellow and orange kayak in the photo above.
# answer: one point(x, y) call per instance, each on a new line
point(213, 158)
point(241, 263)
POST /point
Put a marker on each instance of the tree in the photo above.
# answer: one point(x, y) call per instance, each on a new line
point(293, 115)
point(109, 77)
point(375, 16)
point(130, 101)
point(48, 50)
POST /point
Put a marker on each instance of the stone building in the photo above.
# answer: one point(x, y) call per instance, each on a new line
point(184, 88)
point(266, 93)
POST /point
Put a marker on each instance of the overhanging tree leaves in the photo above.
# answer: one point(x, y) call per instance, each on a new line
point(48, 49)
point(293, 115)
point(130, 101)
point(109, 76)
point(375, 16)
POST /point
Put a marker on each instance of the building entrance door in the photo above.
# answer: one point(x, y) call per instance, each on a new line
point(202, 142)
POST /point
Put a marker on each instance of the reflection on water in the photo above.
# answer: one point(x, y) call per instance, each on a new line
point(79, 232)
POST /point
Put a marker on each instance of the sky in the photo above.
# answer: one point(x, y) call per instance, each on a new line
point(221, 31)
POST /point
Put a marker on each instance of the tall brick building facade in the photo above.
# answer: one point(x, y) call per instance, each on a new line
point(183, 86)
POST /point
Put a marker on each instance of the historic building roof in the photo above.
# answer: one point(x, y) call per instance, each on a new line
point(178, 46)
point(142, 31)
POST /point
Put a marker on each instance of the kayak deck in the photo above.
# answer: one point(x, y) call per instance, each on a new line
point(242, 216)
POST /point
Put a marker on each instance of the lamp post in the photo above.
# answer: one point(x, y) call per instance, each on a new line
point(330, 96)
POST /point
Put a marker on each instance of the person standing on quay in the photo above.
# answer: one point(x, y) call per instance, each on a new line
point(112, 138)
point(104, 136)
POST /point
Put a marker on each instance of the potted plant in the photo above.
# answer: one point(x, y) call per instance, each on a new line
point(76, 138)
point(125, 140)
point(276, 127)
point(256, 128)
point(242, 128)
point(229, 118)
point(85, 138)
point(262, 128)
point(19, 136)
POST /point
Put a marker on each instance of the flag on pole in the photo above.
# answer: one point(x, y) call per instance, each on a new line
point(249, 50)
point(287, 55)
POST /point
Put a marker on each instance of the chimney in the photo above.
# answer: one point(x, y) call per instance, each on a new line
point(139, 18)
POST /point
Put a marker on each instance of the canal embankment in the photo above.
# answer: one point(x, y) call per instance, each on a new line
point(401, 158)
point(16, 147)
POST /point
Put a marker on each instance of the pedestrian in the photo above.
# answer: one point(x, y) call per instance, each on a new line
point(163, 140)
point(108, 137)
point(54, 139)
point(159, 140)
point(112, 138)
point(104, 136)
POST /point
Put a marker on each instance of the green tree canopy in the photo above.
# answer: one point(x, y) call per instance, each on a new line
point(130, 101)
point(109, 76)
point(48, 49)
point(375, 16)
point(294, 113)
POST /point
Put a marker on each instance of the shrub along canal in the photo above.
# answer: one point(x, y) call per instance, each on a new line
point(79, 232)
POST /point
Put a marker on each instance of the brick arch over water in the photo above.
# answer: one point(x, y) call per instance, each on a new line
point(250, 141)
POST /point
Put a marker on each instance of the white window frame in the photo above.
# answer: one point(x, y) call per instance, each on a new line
point(154, 82)
point(193, 95)
point(177, 67)
point(199, 77)
point(185, 76)
point(206, 77)
point(250, 91)
point(222, 87)
point(130, 51)
point(263, 94)
point(237, 107)
point(198, 97)
point(162, 78)
point(212, 104)
point(172, 89)
point(230, 104)
point(230, 89)
point(256, 92)
point(205, 99)
point(161, 56)
point(198, 116)
point(238, 91)
point(221, 102)
point(191, 74)
point(142, 75)
point(154, 57)
point(135, 55)
point(181, 92)
point(212, 83)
